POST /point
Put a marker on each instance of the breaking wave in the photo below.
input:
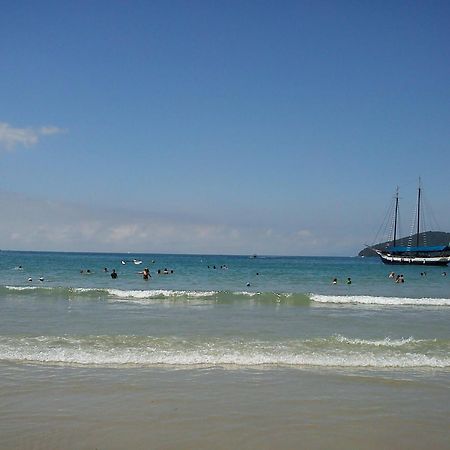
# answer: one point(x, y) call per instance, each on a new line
point(374, 300)
point(152, 295)
point(334, 351)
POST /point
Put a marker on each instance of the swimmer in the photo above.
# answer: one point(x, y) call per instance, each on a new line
point(349, 280)
point(334, 281)
point(145, 274)
point(114, 274)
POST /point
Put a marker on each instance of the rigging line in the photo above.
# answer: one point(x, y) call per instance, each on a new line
point(385, 222)
point(424, 222)
point(428, 211)
point(413, 227)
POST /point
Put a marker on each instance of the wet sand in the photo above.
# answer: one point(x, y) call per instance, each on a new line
point(202, 408)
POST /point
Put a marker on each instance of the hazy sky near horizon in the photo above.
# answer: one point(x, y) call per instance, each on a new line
point(219, 127)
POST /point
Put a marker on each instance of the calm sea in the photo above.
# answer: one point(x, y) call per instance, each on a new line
point(221, 351)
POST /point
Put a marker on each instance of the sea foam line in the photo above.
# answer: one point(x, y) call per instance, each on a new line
point(373, 300)
point(24, 288)
point(193, 358)
point(274, 297)
point(386, 342)
point(148, 351)
point(119, 293)
point(158, 293)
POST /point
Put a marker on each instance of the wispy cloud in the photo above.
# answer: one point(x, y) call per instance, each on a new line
point(11, 137)
point(35, 224)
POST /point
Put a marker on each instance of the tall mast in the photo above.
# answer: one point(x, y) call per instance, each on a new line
point(418, 214)
point(395, 217)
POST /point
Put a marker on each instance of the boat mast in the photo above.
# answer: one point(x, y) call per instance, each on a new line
point(395, 217)
point(418, 214)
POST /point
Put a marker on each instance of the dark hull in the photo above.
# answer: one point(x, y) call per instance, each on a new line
point(411, 260)
point(415, 263)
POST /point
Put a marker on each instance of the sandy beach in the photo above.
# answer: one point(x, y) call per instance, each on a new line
point(89, 408)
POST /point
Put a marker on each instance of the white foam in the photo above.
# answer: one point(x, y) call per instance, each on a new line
point(81, 290)
point(372, 300)
point(386, 342)
point(22, 288)
point(246, 293)
point(123, 357)
point(101, 350)
point(158, 293)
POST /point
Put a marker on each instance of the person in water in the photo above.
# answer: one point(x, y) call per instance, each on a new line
point(146, 274)
point(334, 281)
point(349, 280)
point(400, 279)
point(114, 274)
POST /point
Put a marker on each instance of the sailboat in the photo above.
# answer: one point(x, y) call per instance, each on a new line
point(418, 254)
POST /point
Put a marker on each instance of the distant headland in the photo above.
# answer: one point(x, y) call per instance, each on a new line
point(431, 238)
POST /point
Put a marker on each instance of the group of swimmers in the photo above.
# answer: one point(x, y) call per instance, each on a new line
point(41, 279)
point(30, 279)
point(399, 278)
point(335, 281)
point(145, 273)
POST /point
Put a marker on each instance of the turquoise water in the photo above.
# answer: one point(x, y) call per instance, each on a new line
point(233, 311)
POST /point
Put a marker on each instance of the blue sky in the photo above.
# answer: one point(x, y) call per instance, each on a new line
point(219, 127)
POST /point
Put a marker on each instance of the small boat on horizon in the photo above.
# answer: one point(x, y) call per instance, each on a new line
point(417, 254)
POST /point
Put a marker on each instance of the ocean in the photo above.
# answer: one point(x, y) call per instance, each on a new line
point(221, 352)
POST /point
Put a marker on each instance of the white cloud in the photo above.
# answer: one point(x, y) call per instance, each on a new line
point(49, 130)
point(34, 224)
point(11, 137)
